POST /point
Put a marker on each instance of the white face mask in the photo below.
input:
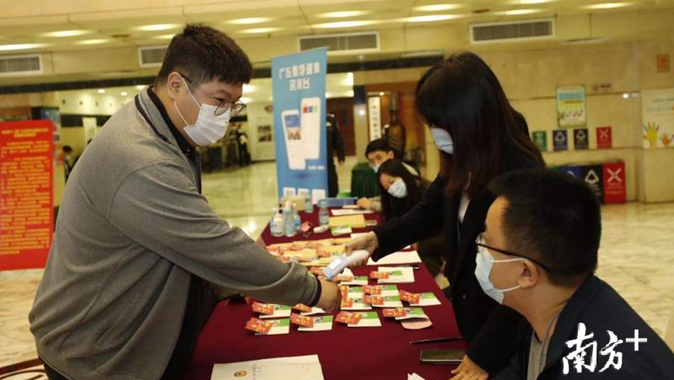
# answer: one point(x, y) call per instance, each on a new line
point(398, 189)
point(376, 167)
point(443, 140)
point(484, 262)
point(209, 127)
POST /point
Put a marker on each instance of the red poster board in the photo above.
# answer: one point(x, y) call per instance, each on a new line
point(604, 138)
point(615, 188)
point(26, 193)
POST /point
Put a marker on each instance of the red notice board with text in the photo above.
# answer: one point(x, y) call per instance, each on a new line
point(26, 193)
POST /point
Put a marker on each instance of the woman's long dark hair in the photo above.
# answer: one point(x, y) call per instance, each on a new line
point(463, 96)
point(391, 206)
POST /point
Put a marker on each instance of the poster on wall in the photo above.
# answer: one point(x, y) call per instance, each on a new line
point(89, 124)
point(560, 140)
point(581, 139)
point(571, 106)
point(540, 138)
point(604, 138)
point(374, 117)
point(298, 84)
point(658, 118)
point(26, 193)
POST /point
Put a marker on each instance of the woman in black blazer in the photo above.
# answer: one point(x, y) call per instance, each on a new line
point(480, 136)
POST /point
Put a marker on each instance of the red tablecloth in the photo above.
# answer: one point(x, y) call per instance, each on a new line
point(345, 353)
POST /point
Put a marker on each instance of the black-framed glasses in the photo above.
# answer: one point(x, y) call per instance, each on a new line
point(481, 246)
point(234, 108)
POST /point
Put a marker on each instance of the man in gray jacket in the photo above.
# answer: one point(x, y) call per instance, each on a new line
point(137, 250)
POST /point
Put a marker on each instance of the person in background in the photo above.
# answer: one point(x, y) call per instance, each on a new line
point(242, 141)
point(377, 152)
point(68, 160)
point(538, 256)
point(479, 136)
point(335, 145)
point(138, 254)
point(400, 192)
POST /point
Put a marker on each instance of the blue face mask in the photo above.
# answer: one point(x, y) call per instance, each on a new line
point(443, 140)
point(398, 189)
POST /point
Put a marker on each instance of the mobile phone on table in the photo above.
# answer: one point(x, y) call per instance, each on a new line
point(441, 356)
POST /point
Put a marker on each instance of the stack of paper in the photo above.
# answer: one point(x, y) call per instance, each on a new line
point(402, 257)
point(301, 368)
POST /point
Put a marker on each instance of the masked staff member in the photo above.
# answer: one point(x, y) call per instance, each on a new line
point(480, 137)
point(138, 250)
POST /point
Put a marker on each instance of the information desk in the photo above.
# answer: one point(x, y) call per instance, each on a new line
point(344, 352)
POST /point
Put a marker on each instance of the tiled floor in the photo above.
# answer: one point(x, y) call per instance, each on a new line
point(637, 252)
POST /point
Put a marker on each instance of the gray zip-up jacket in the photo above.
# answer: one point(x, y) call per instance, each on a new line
point(131, 230)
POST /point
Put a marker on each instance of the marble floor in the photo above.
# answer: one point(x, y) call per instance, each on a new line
point(636, 255)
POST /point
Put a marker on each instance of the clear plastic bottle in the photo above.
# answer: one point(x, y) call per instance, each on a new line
point(277, 223)
point(323, 213)
point(308, 205)
point(288, 222)
point(296, 219)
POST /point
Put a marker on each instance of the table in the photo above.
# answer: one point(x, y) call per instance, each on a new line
point(345, 353)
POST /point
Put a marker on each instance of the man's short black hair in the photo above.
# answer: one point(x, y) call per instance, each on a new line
point(553, 217)
point(203, 54)
point(378, 144)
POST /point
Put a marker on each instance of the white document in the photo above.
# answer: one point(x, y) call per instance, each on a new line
point(396, 258)
point(397, 275)
point(414, 376)
point(302, 368)
point(341, 212)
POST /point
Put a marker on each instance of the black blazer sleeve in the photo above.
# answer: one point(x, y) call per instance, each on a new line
point(418, 223)
point(497, 336)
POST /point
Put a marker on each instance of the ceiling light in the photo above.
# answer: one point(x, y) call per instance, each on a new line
point(349, 80)
point(431, 18)
point(140, 87)
point(248, 21)
point(520, 12)
point(66, 33)
point(361, 112)
point(342, 14)
point(92, 42)
point(260, 30)
point(124, 93)
point(101, 91)
point(165, 37)
point(245, 100)
point(156, 27)
point(20, 46)
point(607, 5)
point(247, 88)
point(343, 24)
point(437, 7)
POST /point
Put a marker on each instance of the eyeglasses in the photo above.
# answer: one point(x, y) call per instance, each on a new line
point(482, 247)
point(234, 108)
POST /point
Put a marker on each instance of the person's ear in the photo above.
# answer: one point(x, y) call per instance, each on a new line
point(529, 275)
point(174, 85)
point(390, 154)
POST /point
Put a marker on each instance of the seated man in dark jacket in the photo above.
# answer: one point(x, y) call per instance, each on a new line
point(538, 256)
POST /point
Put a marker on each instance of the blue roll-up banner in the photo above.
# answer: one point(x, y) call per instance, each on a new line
point(298, 83)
